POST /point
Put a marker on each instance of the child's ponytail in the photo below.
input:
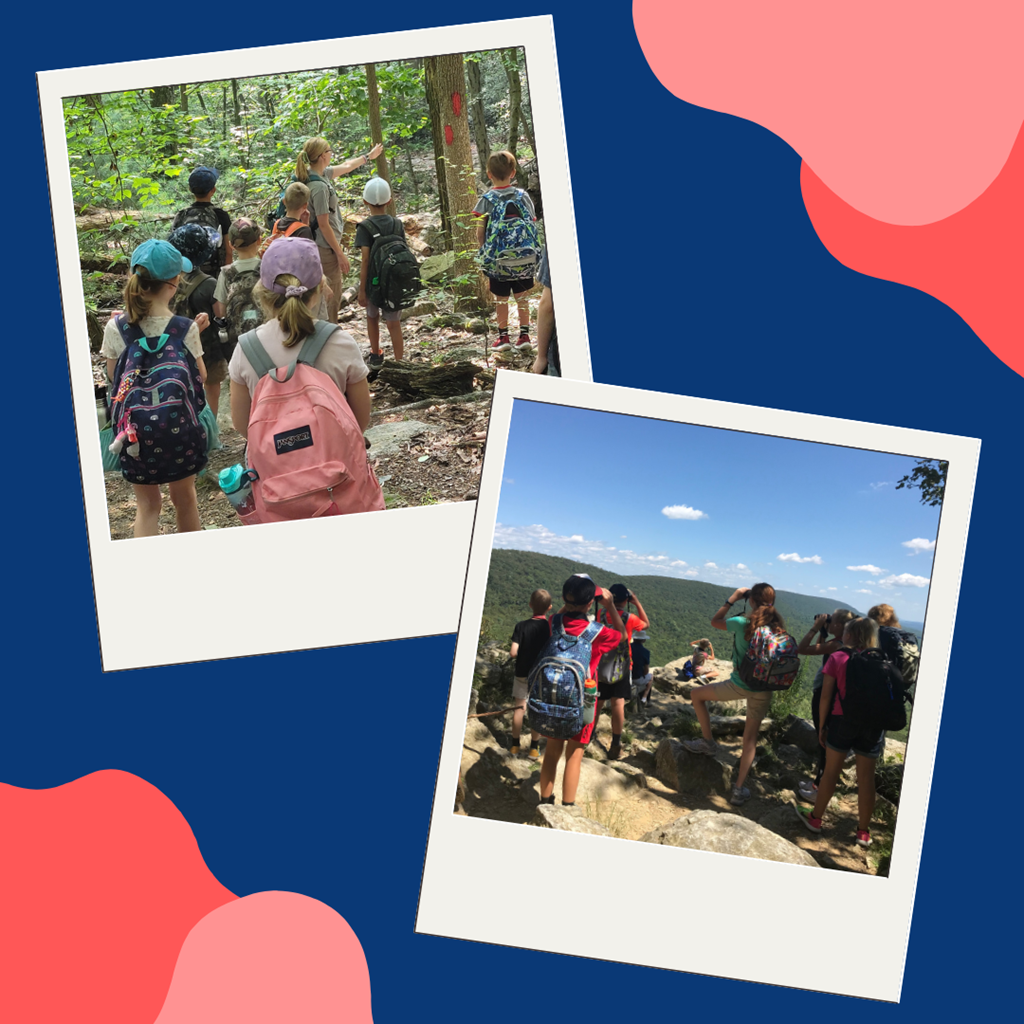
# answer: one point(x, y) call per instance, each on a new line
point(139, 293)
point(292, 311)
point(312, 150)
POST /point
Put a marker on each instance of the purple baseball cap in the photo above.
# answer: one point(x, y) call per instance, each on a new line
point(299, 257)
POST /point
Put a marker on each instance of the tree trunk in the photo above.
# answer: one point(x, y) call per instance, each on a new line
point(162, 96)
point(183, 98)
point(376, 132)
point(234, 102)
point(475, 81)
point(447, 84)
point(437, 132)
point(510, 60)
point(224, 112)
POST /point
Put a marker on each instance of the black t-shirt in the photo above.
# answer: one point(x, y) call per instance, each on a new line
point(641, 659)
point(531, 635)
point(382, 223)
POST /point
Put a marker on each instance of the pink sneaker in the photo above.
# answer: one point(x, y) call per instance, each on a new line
point(524, 342)
point(863, 838)
point(805, 815)
point(501, 343)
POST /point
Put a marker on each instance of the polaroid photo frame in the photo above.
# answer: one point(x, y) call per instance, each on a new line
point(322, 569)
point(693, 880)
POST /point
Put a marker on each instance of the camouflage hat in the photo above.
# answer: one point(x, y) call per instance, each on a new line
point(196, 241)
point(244, 232)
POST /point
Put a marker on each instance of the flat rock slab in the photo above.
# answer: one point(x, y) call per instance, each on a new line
point(597, 783)
point(390, 438)
point(567, 819)
point(691, 773)
point(730, 834)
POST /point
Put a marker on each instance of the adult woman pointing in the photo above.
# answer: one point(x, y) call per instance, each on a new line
point(314, 169)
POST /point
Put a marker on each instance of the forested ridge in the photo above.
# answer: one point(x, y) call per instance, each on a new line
point(679, 610)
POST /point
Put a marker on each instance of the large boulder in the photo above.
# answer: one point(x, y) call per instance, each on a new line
point(392, 438)
point(598, 782)
point(800, 733)
point(727, 833)
point(567, 819)
point(691, 773)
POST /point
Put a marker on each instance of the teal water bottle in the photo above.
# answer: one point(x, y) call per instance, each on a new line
point(236, 483)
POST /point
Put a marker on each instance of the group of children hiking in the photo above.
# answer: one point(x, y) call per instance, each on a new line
point(224, 299)
point(568, 666)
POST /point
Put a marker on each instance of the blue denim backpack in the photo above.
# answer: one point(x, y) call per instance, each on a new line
point(510, 250)
point(155, 412)
point(555, 704)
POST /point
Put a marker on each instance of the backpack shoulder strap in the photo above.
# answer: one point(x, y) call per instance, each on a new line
point(256, 354)
point(593, 628)
point(129, 332)
point(177, 327)
point(314, 344)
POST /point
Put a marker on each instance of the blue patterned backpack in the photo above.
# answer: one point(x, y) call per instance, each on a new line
point(555, 704)
point(510, 249)
point(158, 396)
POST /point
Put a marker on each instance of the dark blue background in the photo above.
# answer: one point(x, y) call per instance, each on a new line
point(279, 763)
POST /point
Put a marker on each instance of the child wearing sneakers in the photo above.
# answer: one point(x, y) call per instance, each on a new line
point(839, 739)
point(506, 232)
point(377, 195)
point(528, 640)
point(577, 594)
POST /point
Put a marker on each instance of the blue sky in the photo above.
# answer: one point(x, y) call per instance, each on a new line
point(643, 496)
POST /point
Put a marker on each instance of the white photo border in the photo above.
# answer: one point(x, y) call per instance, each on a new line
point(314, 563)
point(691, 883)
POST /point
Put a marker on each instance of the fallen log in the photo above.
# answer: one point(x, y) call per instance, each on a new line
point(419, 380)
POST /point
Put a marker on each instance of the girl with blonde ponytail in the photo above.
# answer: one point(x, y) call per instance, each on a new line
point(313, 168)
point(289, 291)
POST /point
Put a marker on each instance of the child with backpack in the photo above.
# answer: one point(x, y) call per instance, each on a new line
point(195, 295)
point(233, 297)
point(853, 676)
point(389, 275)
point(202, 183)
point(574, 650)
point(506, 232)
point(155, 363)
point(294, 220)
point(824, 625)
point(744, 628)
point(528, 639)
point(899, 645)
point(304, 432)
point(614, 674)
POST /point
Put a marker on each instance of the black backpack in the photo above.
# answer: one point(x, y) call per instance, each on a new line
point(876, 695)
point(901, 647)
point(393, 280)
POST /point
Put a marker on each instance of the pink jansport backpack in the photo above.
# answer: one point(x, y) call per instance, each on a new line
point(304, 441)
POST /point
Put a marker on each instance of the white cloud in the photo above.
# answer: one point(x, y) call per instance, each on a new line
point(832, 588)
point(509, 480)
point(622, 536)
point(710, 565)
point(691, 572)
point(576, 537)
point(677, 564)
point(740, 565)
point(683, 512)
point(879, 485)
point(794, 557)
point(873, 569)
point(904, 580)
point(919, 544)
point(864, 592)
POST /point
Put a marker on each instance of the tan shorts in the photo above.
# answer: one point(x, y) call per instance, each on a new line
point(216, 371)
point(520, 690)
point(758, 701)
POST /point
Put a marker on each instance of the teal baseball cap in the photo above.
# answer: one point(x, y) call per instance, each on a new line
point(161, 260)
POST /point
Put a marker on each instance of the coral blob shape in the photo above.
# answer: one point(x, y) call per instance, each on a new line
point(973, 261)
point(267, 958)
point(906, 109)
point(101, 880)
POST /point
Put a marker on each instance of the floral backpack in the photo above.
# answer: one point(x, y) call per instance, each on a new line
point(771, 661)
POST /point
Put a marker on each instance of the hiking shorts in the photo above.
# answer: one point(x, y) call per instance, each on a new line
point(503, 289)
point(373, 313)
point(216, 371)
point(843, 738)
point(758, 701)
point(612, 691)
point(520, 690)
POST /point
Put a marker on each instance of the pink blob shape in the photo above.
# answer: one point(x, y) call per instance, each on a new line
point(906, 110)
point(972, 261)
point(267, 958)
point(101, 879)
